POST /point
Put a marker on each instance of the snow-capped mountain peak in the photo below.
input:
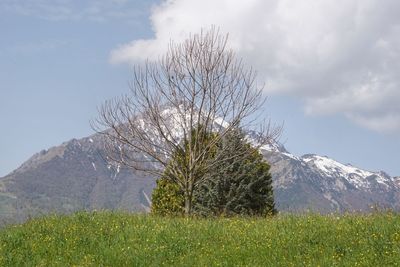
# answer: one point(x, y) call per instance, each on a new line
point(355, 176)
point(77, 170)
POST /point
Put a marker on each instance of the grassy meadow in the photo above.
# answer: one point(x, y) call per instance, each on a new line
point(121, 239)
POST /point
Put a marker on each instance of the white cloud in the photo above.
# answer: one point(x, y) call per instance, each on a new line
point(339, 56)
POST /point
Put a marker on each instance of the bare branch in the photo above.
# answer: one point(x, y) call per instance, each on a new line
point(197, 87)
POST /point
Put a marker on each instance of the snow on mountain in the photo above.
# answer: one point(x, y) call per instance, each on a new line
point(75, 176)
point(175, 121)
point(278, 148)
point(355, 176)
point(333, 170)
point(396, 180)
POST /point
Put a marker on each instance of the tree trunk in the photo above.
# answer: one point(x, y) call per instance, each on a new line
point(188, 205)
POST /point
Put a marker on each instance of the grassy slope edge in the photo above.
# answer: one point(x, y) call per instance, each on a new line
point(120, 239)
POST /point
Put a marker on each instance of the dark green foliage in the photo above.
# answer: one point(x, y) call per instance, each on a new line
point(199, 137)
point(167, 198)
point(236, 186)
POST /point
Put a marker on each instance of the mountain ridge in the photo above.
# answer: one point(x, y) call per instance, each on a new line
point(74, 176)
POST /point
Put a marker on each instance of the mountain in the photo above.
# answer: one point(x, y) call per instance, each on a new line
point(69, 177)
point(319, 183)
point(74, 176)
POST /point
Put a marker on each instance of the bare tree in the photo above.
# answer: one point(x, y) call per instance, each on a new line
point(196, 88)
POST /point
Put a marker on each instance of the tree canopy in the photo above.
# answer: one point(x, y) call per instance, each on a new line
point(235, 186)
point(198, 82)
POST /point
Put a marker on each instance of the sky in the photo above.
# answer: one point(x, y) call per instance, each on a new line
point(331, 68)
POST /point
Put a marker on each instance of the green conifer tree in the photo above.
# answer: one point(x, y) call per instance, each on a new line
point(235, 186)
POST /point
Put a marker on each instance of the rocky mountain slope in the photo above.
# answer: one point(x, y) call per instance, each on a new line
point(69, 177)
point(74, 176)
point(318, 183)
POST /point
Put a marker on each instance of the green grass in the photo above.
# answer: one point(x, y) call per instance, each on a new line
point(120, 239)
